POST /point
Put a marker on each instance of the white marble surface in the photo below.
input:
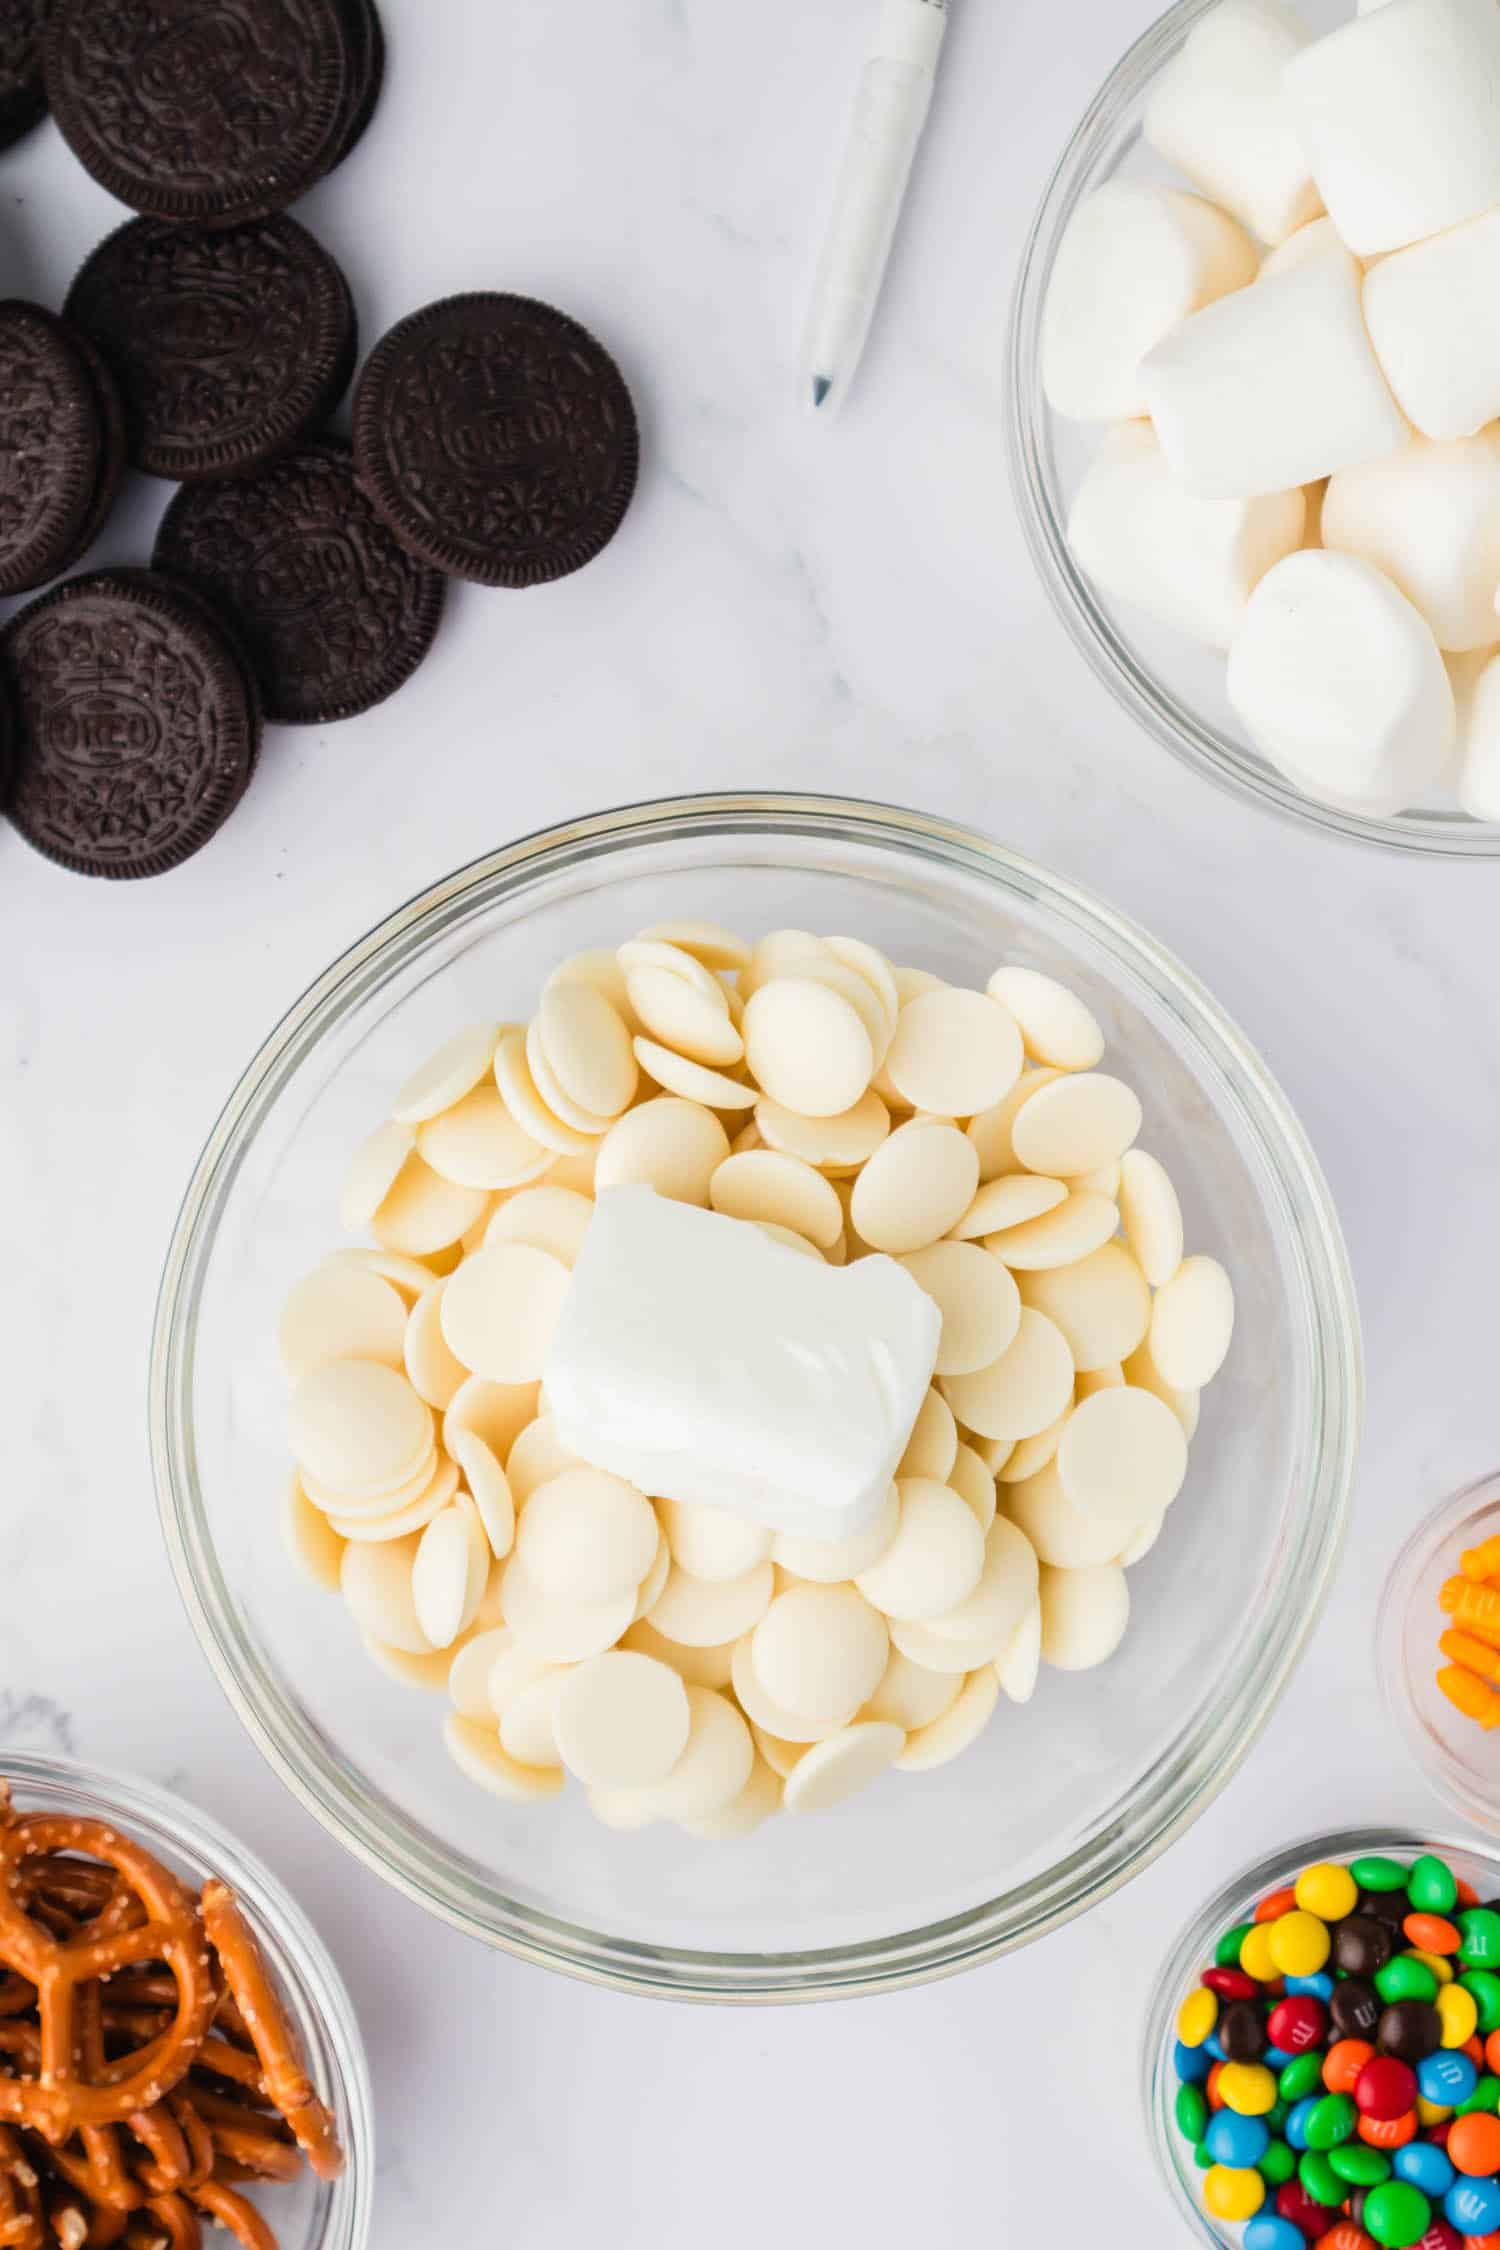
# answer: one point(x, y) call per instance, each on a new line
point(849, 609)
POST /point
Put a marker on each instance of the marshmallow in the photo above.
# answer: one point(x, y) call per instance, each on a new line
point(1340, 684)
point(1193, 563)
point(1429, 517)
point(1135, 261)
point(1274, 386)
point(1399, 113)
point(1318, 235)
point(1219, 114)
point(1433, 314)
point(1476, 766)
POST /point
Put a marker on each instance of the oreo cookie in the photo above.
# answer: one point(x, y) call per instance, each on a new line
point(136, 727)
point(497, 439)
point(207, 112)
point(23, 98)
point(61, 438)
point(226, 346)
point(332, 611)
point(364, 75)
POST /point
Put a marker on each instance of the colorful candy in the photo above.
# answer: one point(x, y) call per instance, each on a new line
point(1338, 2064)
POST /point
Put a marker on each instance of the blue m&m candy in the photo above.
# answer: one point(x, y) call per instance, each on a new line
point(1473, 2206)
point(1320, 1986)
point(1238, 2142)
point(1191, 2064)
point(1446, 2078)
point(1425, 2166)
point(1269, 2233)
point(1296, 2125)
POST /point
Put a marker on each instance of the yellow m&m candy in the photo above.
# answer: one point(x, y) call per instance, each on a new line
point(1197, 2016)
point(1248, 2089)
point(1458, 2014)
point(1232, 2194)
point(1300, 1944)
point(1328, 1891)
point(1255, 1954)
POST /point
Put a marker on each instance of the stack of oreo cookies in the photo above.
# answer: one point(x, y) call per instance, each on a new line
point(200, 341)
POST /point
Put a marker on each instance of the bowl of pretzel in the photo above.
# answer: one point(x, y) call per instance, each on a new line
point(177, 2051)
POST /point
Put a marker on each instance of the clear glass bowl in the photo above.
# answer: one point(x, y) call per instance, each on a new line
point(1062, 1802)
point(308, 2214)
point(1458, 1757)
point(1193, 1952)
point(1175, 689)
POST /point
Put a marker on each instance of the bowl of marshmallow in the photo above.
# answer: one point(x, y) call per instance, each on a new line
point(1255, 405)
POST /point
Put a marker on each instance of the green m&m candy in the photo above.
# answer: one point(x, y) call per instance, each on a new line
point(1302, 2075)
point(1227, 1951)
point(1278, 2165)
point(1397, 2215)
point(1360, 2166)
point(1203, 2157)
point(1405, 1979)
point(1191, 2110)
point(1376, 1874)
point(1330, 2121)
point(1479, 1928)
point(1486, 2095)
point(1432, 1886)
point(1319, 2178)
point(1484, 1985)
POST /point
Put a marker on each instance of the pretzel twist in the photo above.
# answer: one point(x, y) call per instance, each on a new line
point(58, 2101)
point(283, 2065)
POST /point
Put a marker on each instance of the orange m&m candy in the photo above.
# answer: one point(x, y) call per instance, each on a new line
point(1474, 2143)
point(1275, 1904)
point(1347, 2236)
point(1389, 2132)
point(1344, 2061)
point(1431, 1933)
point(1492, 2050)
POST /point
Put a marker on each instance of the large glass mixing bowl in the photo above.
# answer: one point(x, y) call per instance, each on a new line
point(1062, 1800)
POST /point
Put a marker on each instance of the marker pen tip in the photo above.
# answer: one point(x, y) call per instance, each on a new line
point(821, 386)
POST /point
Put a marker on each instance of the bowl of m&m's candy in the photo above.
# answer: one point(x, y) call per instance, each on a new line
point(1323, 2053)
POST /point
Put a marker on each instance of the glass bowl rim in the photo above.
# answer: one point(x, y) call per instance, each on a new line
point(120, 1797)
point(1170, 1982)
point(1106, 649)
point(1439, 1525)
point(1198, 1768)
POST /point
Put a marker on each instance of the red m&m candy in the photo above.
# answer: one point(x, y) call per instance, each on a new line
point(1440, 2236)
point(1385, 2089)
point(1297, 2023)
point(1230, 1984)
point(1315, 2219)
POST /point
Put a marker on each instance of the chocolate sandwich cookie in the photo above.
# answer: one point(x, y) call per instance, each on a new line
point(364, 76)
point(23, 98)
point(208, 112)
point(332, 611)
point(497, 439)
point(136, 728)
point(56, 431)
point(227, 346)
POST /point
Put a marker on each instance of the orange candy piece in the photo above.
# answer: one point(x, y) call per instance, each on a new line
point(1215, 2098)
point(1470, 1694)
point(1475, 1608)
point(1344, 2061)
point(1474, 2143)
point(1490, 2059)
point(1431, 1933)
point(1388, 2132)
point(1347, 2236)
point(1275, 1905)
point(1474, 2049)
point(1483, 1561)
point(1476, 2241)
point(1467, 1895)
point(1476, 1655)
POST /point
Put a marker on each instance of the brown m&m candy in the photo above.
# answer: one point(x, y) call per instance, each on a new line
point(1363, 1945)
point(1242, 2032)
point(136, 724)
point(497, 438)
point(1410, 2030)
point(1355, 2007)
point(226, 346)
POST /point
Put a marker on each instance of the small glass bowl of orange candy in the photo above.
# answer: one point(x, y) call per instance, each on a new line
point(1438, 1648)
